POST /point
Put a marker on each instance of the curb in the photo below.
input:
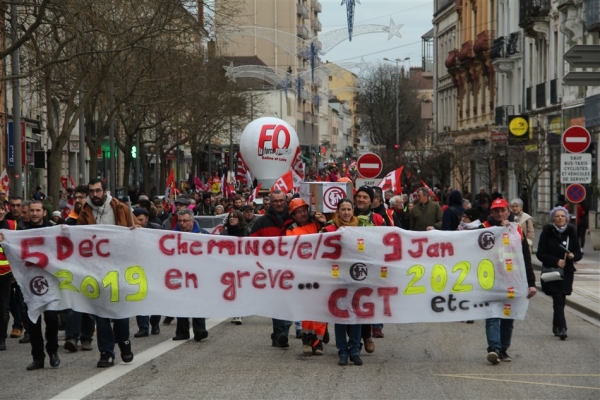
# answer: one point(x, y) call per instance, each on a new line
point(590, 312)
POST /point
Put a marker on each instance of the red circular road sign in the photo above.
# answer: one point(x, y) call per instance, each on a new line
point(576, 139)
point(575, 193)
point(369, 165)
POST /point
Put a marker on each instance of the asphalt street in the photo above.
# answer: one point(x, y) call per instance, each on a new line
point(413, 361)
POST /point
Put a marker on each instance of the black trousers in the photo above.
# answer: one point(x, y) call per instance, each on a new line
point(183, 326)
point(5, 288)
point(37, 340)
point(558, 302)
point(365, 331)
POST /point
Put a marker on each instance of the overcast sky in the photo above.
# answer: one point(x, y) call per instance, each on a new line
point(414, 15)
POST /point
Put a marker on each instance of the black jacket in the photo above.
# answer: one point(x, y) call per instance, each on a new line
point(549, 252)
point(452, 215)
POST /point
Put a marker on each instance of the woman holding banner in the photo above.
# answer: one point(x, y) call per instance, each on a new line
point(347, 337)
point(235, 225)
point(559, 247)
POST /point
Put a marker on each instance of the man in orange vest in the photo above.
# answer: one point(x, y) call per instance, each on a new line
point(6, 278)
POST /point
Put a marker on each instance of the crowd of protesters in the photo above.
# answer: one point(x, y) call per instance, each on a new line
point(276, 214)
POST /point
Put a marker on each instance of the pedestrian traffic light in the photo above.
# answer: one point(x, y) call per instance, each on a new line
point(134, 152)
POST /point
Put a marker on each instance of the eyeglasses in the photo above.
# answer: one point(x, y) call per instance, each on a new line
point(97, 191)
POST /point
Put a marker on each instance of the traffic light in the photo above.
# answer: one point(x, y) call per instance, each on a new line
point(396, 146)
point(134, 152)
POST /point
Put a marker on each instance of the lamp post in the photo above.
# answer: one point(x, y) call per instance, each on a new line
point(396, 87)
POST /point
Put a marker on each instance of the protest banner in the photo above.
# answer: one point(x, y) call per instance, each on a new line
point(354, 275)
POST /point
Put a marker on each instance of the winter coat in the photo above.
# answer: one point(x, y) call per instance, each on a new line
point(429, 214)
point(549, 252)
point(453, 214)
point(271, 224)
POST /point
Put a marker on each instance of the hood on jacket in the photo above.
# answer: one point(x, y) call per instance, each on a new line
point(455, 199)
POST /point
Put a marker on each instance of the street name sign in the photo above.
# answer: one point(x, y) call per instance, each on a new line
point(576, 139)
point(576, 168)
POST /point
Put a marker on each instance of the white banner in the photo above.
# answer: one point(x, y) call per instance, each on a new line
point(355, 275)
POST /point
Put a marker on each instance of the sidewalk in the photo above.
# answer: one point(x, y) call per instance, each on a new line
point(586, 288)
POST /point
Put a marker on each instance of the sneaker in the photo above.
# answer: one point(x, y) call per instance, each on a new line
point(504, 357)
point(106, 360)
point(25, 338)
point(307, 349)
point(71, 345)
point(126, 353)
point(86, 345)
point(493, 357)
point(377, 333)
point(237, 320)
point(317, 348)
point(369, 345)
point(16, 333)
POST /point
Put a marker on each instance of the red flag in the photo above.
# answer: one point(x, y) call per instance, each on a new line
point(242, 169)
point(285, 183)
point(199, 185)
point(298, 165)
point(392, 181)
point(431, 192)
point(254, 193)
point(72, 182)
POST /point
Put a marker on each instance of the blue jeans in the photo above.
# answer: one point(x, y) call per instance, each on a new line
point(352, 343)
point(498, 332)
point(109, 335)
point(144, 322)
point(79, 326)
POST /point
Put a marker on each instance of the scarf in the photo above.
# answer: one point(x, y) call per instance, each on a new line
point(104, 214)
point(465, 226)
point(560, 229)
point(339, 223)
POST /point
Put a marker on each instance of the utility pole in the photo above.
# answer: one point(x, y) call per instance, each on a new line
point(396, 89)
point(17, 189)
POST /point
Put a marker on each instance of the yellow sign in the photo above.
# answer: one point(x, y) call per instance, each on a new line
point(518, 126)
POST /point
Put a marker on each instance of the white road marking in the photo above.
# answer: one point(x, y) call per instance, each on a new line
point(90, 385)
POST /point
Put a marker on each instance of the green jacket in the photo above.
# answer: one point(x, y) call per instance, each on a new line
point(426, 215)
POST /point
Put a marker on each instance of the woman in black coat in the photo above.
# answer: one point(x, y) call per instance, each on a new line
point(559, 247)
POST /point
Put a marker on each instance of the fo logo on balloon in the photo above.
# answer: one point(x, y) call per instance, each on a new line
point(270, 140)
point(332, 196)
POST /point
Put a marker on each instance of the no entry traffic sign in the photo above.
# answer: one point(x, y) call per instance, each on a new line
point(369, 165)
point(576, 139)
point(575, 193)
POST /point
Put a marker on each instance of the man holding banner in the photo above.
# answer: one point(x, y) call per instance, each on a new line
point(499, 330)
point(273, 223)
point(102, 209)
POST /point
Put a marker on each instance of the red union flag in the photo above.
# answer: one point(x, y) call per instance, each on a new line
point(298, 165)
point(242, 169)
point(254, 194)
point(392, 181)
point(285, 183)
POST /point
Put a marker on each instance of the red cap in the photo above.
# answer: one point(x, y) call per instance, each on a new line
point(499, 203)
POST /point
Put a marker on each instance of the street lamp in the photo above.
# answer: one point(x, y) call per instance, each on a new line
point(397, 61)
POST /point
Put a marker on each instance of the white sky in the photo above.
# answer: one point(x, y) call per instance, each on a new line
point(415, 15)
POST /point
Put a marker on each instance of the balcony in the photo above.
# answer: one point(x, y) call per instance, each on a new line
point(302, 11)
point(316, 6)
point(452, 61)
point(540, 95)
point(303, 32)
point(514, 44)
point(316, 24)
point(592, 15)
point(502, 113)
point(533, 17)
point(484, 42)
point(466, 52)
point(499, 47)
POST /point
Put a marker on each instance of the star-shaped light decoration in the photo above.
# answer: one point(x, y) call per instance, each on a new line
point(230, 72)
point(394, 30)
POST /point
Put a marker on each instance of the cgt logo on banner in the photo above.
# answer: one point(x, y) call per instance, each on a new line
point(394, 276)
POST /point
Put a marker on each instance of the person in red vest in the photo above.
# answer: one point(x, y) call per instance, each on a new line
point(6, 278)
